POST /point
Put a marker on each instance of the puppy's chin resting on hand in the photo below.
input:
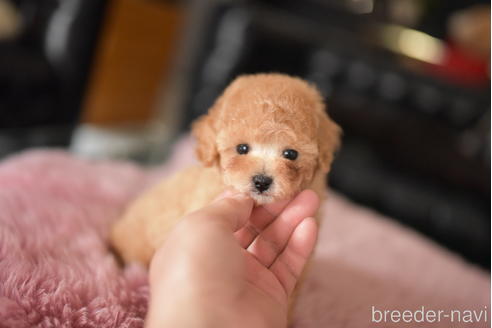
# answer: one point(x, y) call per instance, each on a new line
point(267, 135)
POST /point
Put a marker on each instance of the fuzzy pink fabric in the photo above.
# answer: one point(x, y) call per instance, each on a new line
point(56, 269)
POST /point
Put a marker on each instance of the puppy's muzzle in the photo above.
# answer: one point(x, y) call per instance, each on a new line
point(262, 182)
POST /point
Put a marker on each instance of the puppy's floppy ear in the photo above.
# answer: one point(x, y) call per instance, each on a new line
point(205, 133)
point(329, 134)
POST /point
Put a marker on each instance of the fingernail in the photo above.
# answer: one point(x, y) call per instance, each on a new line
point(239, 195)
point(231, 193)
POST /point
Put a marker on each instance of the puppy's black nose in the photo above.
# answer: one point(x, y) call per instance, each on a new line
point(262, 182)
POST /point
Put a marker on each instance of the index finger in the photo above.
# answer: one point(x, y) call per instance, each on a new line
point(261, 217)
point(233, 210)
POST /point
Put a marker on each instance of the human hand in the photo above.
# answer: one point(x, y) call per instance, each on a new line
point(231, 264)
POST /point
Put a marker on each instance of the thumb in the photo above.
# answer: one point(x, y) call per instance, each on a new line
point(230, 208)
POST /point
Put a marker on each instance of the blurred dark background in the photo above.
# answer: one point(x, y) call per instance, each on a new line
point(408, 81)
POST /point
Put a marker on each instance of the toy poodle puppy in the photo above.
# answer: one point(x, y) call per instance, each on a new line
point(267, 135)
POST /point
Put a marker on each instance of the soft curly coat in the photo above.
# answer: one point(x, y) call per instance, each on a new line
point(267, 112)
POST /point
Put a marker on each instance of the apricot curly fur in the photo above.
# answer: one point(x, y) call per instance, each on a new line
point(270, 113)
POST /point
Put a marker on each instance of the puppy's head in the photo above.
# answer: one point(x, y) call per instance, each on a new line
point(269, 135)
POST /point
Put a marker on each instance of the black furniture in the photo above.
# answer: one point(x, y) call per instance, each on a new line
point(43, 72)
point(416, 147)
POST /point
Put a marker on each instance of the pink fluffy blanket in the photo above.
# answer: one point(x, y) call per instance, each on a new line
point(56, 269)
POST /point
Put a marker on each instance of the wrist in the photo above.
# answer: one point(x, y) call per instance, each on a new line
point(182, 309)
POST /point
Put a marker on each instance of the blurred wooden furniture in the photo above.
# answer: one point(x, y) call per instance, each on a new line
point(135, 50)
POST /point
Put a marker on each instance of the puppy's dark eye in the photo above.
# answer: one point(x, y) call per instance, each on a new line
point(242, 149)
point(290, 154)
